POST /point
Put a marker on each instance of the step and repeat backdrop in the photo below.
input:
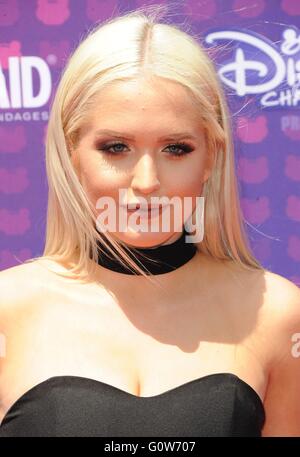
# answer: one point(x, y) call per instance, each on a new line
point(256, 49)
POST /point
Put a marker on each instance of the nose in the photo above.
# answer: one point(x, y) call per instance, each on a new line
point(145, 178)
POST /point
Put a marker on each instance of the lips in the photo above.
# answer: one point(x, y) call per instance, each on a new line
point(145, 211)
point(143, 208)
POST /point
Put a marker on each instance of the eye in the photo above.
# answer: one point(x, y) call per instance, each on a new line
point(116, 149)
point(183, 148)
point(106, 147)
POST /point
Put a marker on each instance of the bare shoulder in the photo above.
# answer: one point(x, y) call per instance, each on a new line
point(18, 284)
point(281, 315)
point(282, 303)
point(279, 310)
point(38, 282)
point(280, 285)
point(282, 324)
point(275, 301)
point(279, 298)
point(270, 302)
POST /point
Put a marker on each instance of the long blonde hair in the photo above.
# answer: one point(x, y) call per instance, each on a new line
point(120, 49)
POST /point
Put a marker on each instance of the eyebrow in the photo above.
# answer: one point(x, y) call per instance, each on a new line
point(170, 137)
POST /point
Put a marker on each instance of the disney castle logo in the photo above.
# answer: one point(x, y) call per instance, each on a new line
point(257, 67)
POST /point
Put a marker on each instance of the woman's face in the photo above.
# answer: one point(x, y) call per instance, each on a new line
point(130, 142)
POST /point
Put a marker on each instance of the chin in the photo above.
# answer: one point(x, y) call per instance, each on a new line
point(144, 240)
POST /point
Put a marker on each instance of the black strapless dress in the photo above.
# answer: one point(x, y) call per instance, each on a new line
point(217, 405)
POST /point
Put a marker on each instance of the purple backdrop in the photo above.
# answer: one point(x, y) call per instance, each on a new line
point(256, 48)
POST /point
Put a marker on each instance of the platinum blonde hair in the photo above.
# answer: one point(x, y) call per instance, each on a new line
point(120, 49)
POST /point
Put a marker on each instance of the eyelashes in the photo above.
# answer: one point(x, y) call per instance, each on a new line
point(181, 149)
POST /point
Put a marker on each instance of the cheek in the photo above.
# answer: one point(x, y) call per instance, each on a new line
point(101, 180)
point(187, 179)
point(194, 182)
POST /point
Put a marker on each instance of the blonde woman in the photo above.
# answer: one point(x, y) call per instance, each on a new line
point(141, 333)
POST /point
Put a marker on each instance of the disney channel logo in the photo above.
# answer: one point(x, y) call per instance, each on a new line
point(256, 66)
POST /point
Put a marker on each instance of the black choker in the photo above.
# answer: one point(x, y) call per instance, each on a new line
point(162, 259)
